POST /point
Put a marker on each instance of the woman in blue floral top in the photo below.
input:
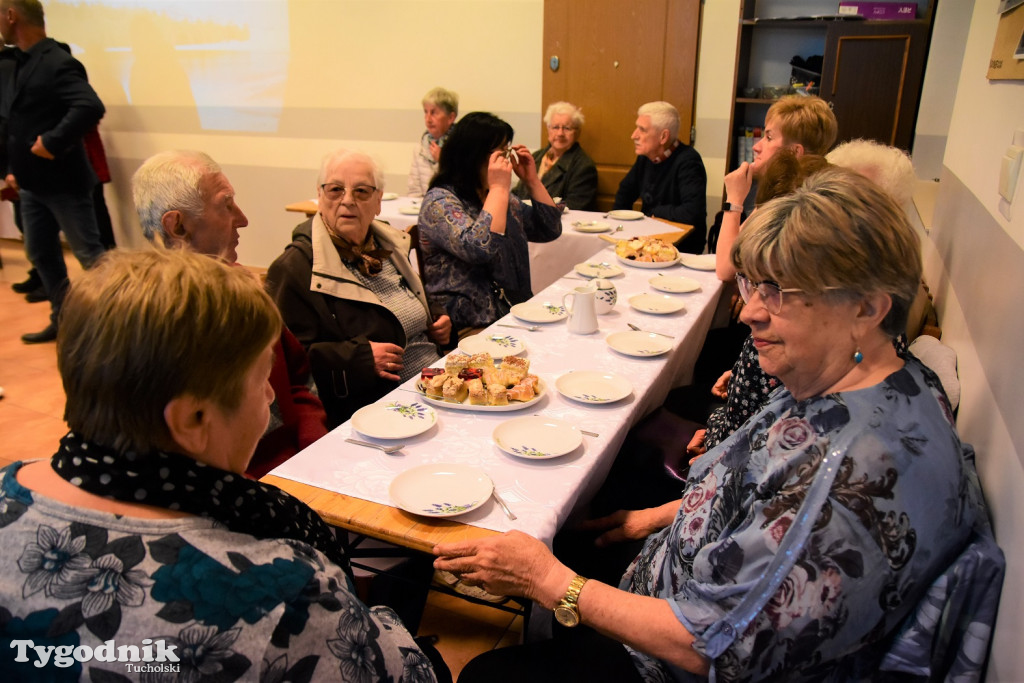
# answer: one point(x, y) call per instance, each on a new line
point(140, 550)
point(802, 541)
point(474, 232)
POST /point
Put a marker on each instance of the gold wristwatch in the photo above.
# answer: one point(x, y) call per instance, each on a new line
point(566, 611)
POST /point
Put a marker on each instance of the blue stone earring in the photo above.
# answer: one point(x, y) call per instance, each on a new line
point(858, 356)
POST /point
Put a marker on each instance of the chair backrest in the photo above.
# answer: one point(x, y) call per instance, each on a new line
point(947, 636)
point(414, 234)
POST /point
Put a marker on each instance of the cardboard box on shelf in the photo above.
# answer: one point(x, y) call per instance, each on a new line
point(887, 11)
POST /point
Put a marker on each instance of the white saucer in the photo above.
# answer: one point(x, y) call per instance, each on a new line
point(591, 226)
point(534, 437)
point(388, 196)
point(674, 284)
point(409, 210)
point(625, 215)
point(394, 419)
point(441, 490)
point(498, 345)
point(592, 386)
point(698, 261)
point(660, 304)
point(640, 344)
point(598, 269)
point(539, 312)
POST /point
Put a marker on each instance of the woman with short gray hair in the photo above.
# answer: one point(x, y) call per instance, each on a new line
point(564, 168)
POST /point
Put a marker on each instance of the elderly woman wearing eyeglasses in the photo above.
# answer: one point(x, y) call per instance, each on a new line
point(564, 168)
point(347, 291)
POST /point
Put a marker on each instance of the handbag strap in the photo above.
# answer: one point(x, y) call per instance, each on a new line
point(722, 633)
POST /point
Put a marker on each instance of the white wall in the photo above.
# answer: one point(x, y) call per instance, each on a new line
point(975, 264)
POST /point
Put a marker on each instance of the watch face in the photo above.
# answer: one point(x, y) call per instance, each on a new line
point(567, 616)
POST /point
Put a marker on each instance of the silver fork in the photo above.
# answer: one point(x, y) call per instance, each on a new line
point(387, 449)
point(660, 334)
point(504, 506)
point(531, 328)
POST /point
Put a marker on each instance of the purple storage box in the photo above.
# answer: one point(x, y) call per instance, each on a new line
point(879, 10)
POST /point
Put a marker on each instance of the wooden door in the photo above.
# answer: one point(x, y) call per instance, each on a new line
point(613, 56)
point(872, 76)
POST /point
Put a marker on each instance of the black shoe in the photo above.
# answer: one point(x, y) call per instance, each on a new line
point(47, 335)
point(30, 285)
point(36, 295)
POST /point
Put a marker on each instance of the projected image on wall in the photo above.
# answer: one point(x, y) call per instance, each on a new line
point(218, 65)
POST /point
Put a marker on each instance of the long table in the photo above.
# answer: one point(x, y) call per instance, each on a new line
point(348, 484)
point(548, 261)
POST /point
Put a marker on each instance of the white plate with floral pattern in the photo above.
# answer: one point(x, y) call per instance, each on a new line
point(592, 386)
point(535, 437)
point(441, 490)
point(598, 269)
point(625, 215)
point(466, 405)
point(659, 304)
point(394, 419)
point(540, 312)
point(674, 284)
point(640, 344)
point(498, 345)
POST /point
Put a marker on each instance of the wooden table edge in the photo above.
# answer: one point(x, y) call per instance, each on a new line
point(378, 521)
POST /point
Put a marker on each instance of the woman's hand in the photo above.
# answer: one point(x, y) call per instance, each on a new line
point(510, 564)
point(696, 447)
point(721, 388)
point(499, 171)
point(631, 525)
point(440, 331)
point(526, 169)
point(738, 183)
point(435, 150)
point(387, 360)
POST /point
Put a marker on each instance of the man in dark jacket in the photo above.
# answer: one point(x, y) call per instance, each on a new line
point(50, 107)
point(668, 176)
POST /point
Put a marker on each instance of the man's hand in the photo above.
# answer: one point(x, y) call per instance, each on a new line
point(39, 149)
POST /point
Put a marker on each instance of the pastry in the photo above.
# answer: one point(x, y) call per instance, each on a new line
point(481, 361)
point(456, 363)
point(455, 390)
point(522, 391)
point(477, 393)
point(517, 367)
point(497, 395)
point(435, 386)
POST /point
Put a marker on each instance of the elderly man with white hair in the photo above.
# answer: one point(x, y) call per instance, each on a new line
point(345, 287)
point(668, 176)
point(184, 200)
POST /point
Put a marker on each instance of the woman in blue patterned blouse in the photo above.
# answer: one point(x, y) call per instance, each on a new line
point(474, 232)
point(802, 541)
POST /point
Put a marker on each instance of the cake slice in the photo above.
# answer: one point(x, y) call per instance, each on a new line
point(497, 395)
point(477, 393)
point(456, 363)
point(481, 361)
point(434, 386)
point(455, 390)
point(517, 367)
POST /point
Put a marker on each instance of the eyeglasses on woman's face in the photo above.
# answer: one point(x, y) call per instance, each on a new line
point(569, 128)
point(359, 193)
point(770, 292)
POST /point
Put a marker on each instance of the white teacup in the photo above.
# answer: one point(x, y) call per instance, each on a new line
point(606, 297)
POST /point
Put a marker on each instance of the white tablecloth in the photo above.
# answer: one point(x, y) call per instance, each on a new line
point(542, 493)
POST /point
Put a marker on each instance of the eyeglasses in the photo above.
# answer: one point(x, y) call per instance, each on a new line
point(770, 292)
point(565, 129)
point(359, 193)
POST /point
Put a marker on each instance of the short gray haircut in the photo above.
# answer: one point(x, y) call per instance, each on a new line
point(446, 99)
point(560, 108)
point(340, 155)
point(169, 181)
point(889, 167)
point(663, 117)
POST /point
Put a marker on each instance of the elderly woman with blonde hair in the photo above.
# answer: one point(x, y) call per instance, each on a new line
point(801, 543)
point(564, 168)
point(143, 525)
point(440, 108)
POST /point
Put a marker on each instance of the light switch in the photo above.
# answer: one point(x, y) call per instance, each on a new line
point(1009, 170)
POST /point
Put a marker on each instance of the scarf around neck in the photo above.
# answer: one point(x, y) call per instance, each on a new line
point(177, 482)
point(367, 257)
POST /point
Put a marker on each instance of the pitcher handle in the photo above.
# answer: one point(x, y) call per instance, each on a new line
point(566, 305)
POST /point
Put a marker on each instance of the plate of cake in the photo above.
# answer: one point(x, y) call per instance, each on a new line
point(646, 252)
point(479, 383)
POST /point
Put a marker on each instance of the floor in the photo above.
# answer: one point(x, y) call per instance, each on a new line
point(31, 422)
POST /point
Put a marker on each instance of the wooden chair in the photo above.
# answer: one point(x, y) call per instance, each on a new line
point(414, 234)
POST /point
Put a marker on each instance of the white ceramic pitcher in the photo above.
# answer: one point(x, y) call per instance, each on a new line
point(582, 313)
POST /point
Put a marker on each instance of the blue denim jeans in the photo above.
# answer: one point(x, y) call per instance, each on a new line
point(44, 217)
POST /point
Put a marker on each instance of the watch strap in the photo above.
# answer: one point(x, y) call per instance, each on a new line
point(572, 593)
point(738, 208)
